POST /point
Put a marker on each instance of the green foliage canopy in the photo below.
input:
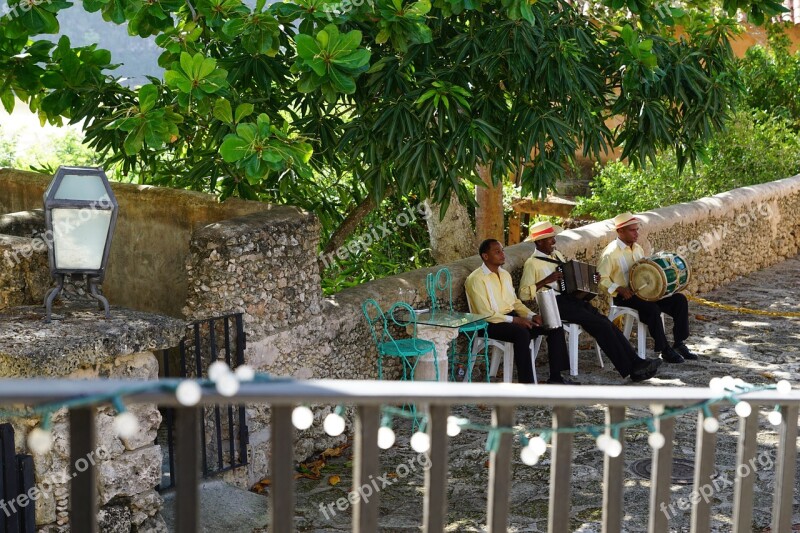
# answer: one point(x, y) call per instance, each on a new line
point(406, 95)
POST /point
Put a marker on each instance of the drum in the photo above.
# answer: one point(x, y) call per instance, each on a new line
point(659, 275)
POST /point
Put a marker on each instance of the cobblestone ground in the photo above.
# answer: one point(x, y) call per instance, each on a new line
point(758, 349)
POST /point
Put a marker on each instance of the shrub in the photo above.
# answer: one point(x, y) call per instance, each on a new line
point(757, 147)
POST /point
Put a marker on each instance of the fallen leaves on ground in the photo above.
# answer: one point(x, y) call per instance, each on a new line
point(309, 470)
point(705, 318)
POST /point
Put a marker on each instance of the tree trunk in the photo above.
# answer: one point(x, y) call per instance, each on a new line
point(489, 221)
point(348, 225)
point(452, 238)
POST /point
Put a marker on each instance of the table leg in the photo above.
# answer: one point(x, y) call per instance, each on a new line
point(441, 337)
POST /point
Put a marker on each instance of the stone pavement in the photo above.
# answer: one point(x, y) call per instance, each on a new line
point(758, 349)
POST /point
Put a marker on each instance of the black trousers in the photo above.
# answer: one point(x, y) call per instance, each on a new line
point(675, 306)
point(611, 340)
point(521, 337)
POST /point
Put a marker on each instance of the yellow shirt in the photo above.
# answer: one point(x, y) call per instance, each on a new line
point(535, 271)
point(615, 262)
point(488, 292)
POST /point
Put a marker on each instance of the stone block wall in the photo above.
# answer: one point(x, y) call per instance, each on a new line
point(79, 346)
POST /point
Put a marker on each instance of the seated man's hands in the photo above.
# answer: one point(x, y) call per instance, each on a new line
point(555, 276)
point(625, 292)
point(524, 322)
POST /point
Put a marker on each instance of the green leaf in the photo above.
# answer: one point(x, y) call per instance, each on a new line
point(242, 111)
point(222, 111)
point(148, 95)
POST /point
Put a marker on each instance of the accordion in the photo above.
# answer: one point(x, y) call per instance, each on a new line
point(579, 279)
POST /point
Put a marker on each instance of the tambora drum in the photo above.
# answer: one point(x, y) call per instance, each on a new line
point(659, 275)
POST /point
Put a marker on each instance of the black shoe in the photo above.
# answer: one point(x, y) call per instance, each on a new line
point(684, 351)
point(561, 381)
point(645, 375)
point(645, 366)
point(671, 356)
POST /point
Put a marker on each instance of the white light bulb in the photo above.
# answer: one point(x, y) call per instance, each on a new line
point(716, 386)
point(728, 382)
point(602, 442)
point(245, 373)
point(784, 387)
point(40, 441)
point(656, 441)
point(529, 455)
point(420, 442)
point(613, 448)
point(711, 425)
point(743, 409)
point(385, 438)
point(217, 369)
point(227, 385)
point(333, 425)
point(188, 393)
point(538, 445)
point(657, 409)
point(302, 417)
point(126, 425)
point(775, 418)
point(739, 382)
point(453, 427)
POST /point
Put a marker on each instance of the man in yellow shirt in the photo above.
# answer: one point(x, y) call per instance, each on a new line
point(540, 271)
point(615, 262)
point(490, 291)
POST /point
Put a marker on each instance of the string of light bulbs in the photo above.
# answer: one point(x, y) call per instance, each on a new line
point(534, 440)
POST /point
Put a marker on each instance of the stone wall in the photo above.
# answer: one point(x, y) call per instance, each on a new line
point(151, 241)
point(79, 346)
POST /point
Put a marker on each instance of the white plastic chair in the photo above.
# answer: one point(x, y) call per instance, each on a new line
point(506, 350)
point(632, 315)
point(573, 333)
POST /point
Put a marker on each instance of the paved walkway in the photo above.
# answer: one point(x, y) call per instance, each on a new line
point(755, 348)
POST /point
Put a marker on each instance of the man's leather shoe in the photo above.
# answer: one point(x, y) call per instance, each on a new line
point(561, 381)
point(643, 376)
point(645, 366)
point(684, 351)
point(671, 356)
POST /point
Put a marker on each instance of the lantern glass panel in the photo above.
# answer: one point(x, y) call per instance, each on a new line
point(80, 237)
point(82, 187)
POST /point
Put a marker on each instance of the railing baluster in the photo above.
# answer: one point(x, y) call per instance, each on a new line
point(613, 477)
point(83, 487)
point(187, 475)
point(560, 471)
point(500, 473)
point(365, 469)
point(784, 470)
point(435, 513)
point(703, 469)
point(661, 478)
point(743, 485)
point(281, 492)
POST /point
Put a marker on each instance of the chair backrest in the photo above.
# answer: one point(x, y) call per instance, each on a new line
point(440, 289)
point(399, 315)
point(376, 320)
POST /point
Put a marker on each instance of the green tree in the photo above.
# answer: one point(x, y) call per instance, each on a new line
point(408, 96)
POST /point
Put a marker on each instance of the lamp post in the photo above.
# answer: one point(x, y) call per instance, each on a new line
point(80, 213)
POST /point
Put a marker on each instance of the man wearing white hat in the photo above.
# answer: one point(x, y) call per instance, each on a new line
point(540, 271)
point(615, 262)
point(491, 292)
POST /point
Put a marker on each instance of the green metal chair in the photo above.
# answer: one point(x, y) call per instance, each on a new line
point(440, 291)
point(408, 350)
